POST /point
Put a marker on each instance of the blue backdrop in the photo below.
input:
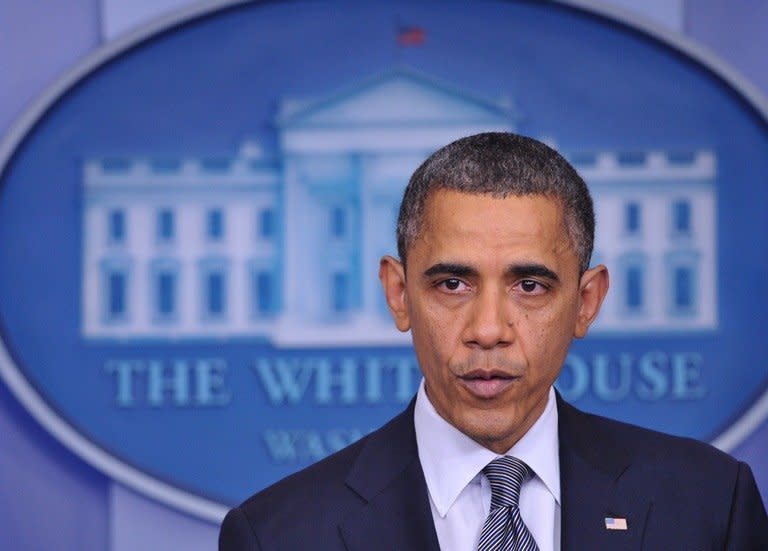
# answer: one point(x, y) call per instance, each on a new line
point(201, 89)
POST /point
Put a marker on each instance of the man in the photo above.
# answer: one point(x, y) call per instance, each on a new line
point(495, 235)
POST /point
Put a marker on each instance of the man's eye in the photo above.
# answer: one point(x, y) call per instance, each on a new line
point(529, 286)
point(452, 284)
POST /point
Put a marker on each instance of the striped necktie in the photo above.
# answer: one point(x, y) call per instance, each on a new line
point(504, 529)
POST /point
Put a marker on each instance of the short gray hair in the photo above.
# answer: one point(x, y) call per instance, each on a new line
point(500, 164)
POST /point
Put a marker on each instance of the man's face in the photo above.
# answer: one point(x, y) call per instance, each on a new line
point(493, 299)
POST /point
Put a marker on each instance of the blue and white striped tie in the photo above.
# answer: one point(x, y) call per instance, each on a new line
point(504, 529)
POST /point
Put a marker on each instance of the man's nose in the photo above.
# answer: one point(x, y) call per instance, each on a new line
point(490, 322)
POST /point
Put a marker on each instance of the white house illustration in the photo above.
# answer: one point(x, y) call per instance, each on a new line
point(656, 233)
point(286, 248)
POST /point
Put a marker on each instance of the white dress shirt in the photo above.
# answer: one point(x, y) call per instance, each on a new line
point(460, 495)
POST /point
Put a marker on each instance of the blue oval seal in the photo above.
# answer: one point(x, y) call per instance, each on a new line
point(191, 222)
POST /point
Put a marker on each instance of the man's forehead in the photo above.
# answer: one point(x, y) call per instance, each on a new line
point(448, 206)
point(458, 224)
point(449, 194)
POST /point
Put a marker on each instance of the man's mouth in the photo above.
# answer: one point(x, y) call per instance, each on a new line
point(487, 383)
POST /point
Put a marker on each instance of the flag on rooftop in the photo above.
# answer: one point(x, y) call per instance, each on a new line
point(411, 35)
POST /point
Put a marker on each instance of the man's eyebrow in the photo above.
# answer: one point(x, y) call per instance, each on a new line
point(451, 269)
point(532, 270)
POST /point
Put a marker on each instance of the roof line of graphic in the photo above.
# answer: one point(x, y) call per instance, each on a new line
point(313, 106)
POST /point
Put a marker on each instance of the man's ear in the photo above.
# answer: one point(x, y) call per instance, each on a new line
point(392, 276)
point(593, 287)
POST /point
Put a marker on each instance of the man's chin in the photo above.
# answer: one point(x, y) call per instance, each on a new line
point(493, 431)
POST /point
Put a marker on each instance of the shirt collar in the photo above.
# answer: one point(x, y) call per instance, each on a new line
point(451, 460)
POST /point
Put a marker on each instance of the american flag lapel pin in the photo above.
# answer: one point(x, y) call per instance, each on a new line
point(615, 523)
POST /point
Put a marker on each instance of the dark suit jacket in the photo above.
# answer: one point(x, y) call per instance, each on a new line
point(676, 494)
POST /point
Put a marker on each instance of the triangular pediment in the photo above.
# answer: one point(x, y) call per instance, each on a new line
point(398, 97)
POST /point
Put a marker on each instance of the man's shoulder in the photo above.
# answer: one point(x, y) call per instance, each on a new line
point(308, 486)
point(326, 491)
point(316, 495)
point(701, 496)
point(650, 448)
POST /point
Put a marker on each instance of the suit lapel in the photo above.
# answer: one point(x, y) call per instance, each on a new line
point(387, 475)
point(592, 467)
point(396, 514)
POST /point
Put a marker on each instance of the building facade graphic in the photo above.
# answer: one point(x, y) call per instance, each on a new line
point(285, 247)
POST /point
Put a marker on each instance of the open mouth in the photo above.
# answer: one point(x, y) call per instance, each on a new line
point(487, 384)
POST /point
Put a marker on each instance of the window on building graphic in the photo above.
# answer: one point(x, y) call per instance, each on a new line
point(631, 158)
point(340, 292)
point(165, 225)
point(116, 225)
point(338, 222)
point(165, 293)
point(215, 294)
point(683, 288)
point(633, 299)
point(266, 223)
point(214, 224)
point(681, 216)
point(262, 293)
point(117, 291)
point(682, 272)
point(632, 221)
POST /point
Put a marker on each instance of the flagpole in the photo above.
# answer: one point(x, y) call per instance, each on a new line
point(398, 46)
